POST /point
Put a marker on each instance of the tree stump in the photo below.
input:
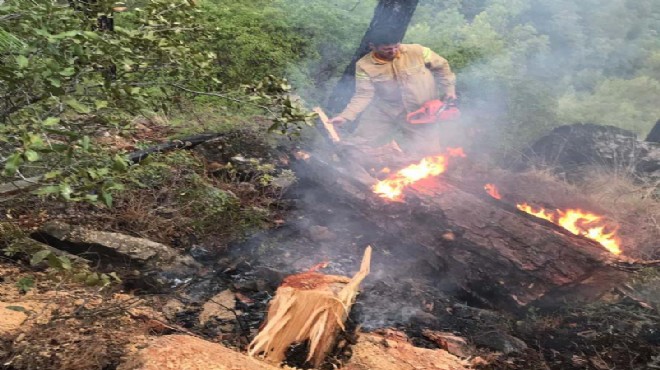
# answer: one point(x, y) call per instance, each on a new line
point(308, 307)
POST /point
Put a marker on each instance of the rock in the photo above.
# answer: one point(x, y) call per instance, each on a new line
point(115, 246)
point(221, 306)
point(172, 308)
point(451, 343)
point(321, 233)
point(571, 149)
point(166, 268)
point(500, 341)
point(374, 352)
point(186, 352)
point(12, 317)
point(200, 253)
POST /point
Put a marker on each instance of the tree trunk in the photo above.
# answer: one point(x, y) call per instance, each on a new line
point(391, 16)
point(499, 256)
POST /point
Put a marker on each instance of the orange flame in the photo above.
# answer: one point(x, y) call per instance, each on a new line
point(392, 187)
point(579, 222)
point(492, 191)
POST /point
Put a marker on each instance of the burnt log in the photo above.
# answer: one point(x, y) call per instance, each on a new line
point(501, 257)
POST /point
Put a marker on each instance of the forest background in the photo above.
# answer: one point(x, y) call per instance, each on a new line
point(523, 67)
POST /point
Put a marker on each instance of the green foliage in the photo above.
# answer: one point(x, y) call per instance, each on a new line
point(67, 83)
point(250, 40)
point(629, 104)
point(25, 284)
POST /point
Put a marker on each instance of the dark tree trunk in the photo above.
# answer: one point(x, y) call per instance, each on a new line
point(390, 16)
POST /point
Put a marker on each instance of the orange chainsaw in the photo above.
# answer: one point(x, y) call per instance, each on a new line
point(434, 111)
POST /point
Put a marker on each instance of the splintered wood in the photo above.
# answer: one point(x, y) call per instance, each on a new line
point(309, 307)
point(328, 126)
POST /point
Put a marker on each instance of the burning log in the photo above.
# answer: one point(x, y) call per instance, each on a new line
point(308, 307)
point(493, 253)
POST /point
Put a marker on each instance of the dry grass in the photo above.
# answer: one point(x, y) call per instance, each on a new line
point(634, 205)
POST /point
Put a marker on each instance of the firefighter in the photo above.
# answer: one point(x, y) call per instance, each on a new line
point(391, 81)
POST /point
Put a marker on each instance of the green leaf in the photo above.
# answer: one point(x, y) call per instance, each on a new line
point(59, 262)
point(85, 143)
point(105, 279)
point(65, 191)
point(115, 276)
point(12, 163)
point(78, 106)
point(31, 156)
point(68, 72)
point(55, 82)
point(51, 121)
point(39, 256)
point(107, 198)
point(25, 284)
point(16, 308)
point(92, 279)
point(66, 262)
point(52, 174)
point(48, 190)
point(119, 163)
point(100, 104)
point(22, 61)
point(54, 262)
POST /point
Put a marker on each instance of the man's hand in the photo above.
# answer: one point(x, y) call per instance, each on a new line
point(337, 120)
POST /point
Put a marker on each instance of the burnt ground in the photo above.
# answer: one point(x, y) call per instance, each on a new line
point(409, 290)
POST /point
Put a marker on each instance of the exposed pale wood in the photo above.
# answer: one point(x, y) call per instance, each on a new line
point(308, 307)
point(328, 126)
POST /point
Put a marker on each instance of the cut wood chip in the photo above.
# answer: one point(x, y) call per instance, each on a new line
point(308, 307)
point(328, 126)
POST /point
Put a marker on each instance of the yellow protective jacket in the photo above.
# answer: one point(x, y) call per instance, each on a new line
point(412, 78)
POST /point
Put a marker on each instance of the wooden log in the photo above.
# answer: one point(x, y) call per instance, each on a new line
point(308, 307)
point(328, 126)
point(498, 255)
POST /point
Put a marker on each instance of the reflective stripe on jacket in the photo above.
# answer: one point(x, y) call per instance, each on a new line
point(412, 78)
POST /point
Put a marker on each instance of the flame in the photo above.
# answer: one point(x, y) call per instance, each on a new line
point(579, 222)
point(392, 187)
point(492, 191)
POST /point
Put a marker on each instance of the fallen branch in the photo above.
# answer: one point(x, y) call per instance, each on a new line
point(185, 143)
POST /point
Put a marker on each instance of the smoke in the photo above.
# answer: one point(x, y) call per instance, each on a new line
point(526, 66)
point(523, 67)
